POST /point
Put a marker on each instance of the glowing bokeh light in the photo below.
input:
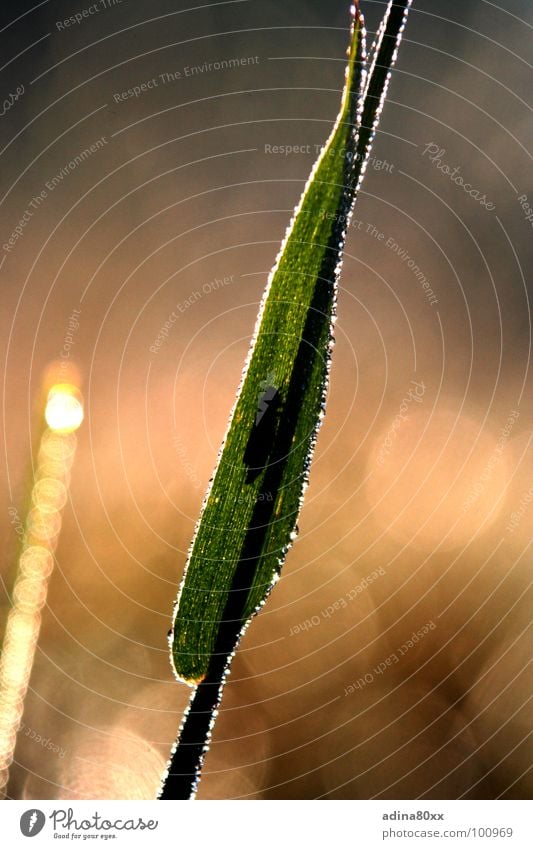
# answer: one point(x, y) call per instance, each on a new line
point(50, 494)
point(64, 408)
point(64, 415)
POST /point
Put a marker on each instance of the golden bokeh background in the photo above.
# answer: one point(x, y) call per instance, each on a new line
point(134, 207)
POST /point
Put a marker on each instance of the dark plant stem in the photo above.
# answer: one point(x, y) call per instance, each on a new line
point(187, 759)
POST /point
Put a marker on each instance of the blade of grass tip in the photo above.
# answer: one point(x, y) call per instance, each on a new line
point(249, 515)
point(381, 59)
point(373, 50)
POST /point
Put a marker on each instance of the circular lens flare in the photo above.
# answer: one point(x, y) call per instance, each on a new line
point(64, 408)
point(63, 415)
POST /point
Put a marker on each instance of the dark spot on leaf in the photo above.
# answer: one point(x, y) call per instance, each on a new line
point(263, 432)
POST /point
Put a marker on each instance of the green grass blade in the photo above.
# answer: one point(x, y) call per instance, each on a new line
point(250, 511)
point(249, 516)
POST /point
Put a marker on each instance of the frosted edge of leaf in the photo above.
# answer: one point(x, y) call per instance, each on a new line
point(357, 19)
point(375, 51)
point(361, 165)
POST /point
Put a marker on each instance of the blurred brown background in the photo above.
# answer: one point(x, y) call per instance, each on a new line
point(419, 512)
